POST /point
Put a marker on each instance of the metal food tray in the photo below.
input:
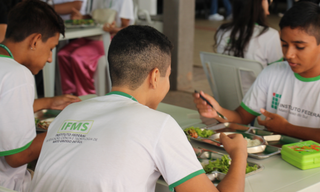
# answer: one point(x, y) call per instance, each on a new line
point(46, 115)
point(271, 143)
point(215, 140)
point(205, 155)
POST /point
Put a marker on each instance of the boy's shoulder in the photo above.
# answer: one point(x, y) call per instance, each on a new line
point(11, 67)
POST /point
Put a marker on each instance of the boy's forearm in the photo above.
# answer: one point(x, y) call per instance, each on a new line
point(66, 8)
point(235, 179)
point(239, 115)
point(42, 103)
point(29, 154)
point(304, 133)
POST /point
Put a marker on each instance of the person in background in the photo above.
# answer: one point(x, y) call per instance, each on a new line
point(78, 60)
point(42, 103)
point(33, 30)
point(124, 144)
point(215, 16)
point(286, 93)
point(248, 36)
point(65, 7)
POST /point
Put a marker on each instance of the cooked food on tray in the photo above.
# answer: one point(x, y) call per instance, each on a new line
point(43, 124)
point(80, 22)
point(223, 165)
point(252, 142)
point(196, 132)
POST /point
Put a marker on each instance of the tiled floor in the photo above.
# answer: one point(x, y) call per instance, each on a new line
point(203, 41)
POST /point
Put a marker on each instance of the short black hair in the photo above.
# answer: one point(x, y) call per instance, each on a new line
point(33, 16)
point(305, 16)
point(134, 52)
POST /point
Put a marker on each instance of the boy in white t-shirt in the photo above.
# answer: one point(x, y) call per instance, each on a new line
point(33, 31)
point(287, 93)
point(119, 142)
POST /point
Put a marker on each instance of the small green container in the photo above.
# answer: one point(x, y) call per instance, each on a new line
point(304, 155)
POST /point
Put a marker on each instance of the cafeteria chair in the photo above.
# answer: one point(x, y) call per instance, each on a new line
point(223, 74)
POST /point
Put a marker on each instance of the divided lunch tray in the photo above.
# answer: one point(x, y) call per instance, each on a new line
point(271, 144)
point(204, 155)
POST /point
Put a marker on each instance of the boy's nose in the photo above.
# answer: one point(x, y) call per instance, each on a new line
point(290, 53)
point(50, 58)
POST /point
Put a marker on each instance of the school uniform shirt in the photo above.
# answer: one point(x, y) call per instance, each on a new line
point(124, 9)
point(67, 16)
point(279, 90)
point(17, 125)
point(113, 143)
point(264, 48)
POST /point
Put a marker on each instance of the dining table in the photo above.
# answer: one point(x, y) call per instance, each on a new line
point(276, 176)
point(49, 69)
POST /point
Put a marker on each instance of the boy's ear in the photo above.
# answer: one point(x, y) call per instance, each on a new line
point(35, 38)
point(154, 76)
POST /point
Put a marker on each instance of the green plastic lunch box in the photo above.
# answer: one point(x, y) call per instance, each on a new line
point(304, 155)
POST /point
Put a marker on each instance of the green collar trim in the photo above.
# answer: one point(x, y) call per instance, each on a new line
point(122, 94)
point(6, 56)
point(14, 151)
point(173, 185)
point(304, 79)
point(7, 49)
point(276, 61)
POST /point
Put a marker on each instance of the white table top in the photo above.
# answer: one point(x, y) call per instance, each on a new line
point(277, 175)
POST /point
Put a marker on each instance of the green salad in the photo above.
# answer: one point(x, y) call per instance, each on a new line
point(196, 132)
point(223, 165)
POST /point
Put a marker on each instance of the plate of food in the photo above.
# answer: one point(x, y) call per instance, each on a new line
point(80, 23)
point(256, 144)
point(216, 164)
point(43, 124)
point(44, 118)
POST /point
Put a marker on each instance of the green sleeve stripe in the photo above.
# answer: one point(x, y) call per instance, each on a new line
point(14, 151)
point(249, 110)
point(172, 186)
point(276, 61)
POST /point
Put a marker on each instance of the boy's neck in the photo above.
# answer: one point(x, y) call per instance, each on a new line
point(16, 50)
point(139, 94)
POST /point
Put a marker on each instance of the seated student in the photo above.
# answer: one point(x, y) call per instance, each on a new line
point(65, 7)
point(124, 144)
point(287, 93)
point(248, 36)
point(33, 31)
point(78, 60)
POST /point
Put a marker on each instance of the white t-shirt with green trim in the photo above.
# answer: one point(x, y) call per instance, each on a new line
point(113, 143)
point(279, 90)
point(264, 48)
point(17, 127)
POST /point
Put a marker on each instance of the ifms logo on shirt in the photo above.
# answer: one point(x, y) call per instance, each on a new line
point(73, 126)
point(275, 100)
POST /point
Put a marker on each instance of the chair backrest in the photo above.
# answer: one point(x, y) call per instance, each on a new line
point(223, 74)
